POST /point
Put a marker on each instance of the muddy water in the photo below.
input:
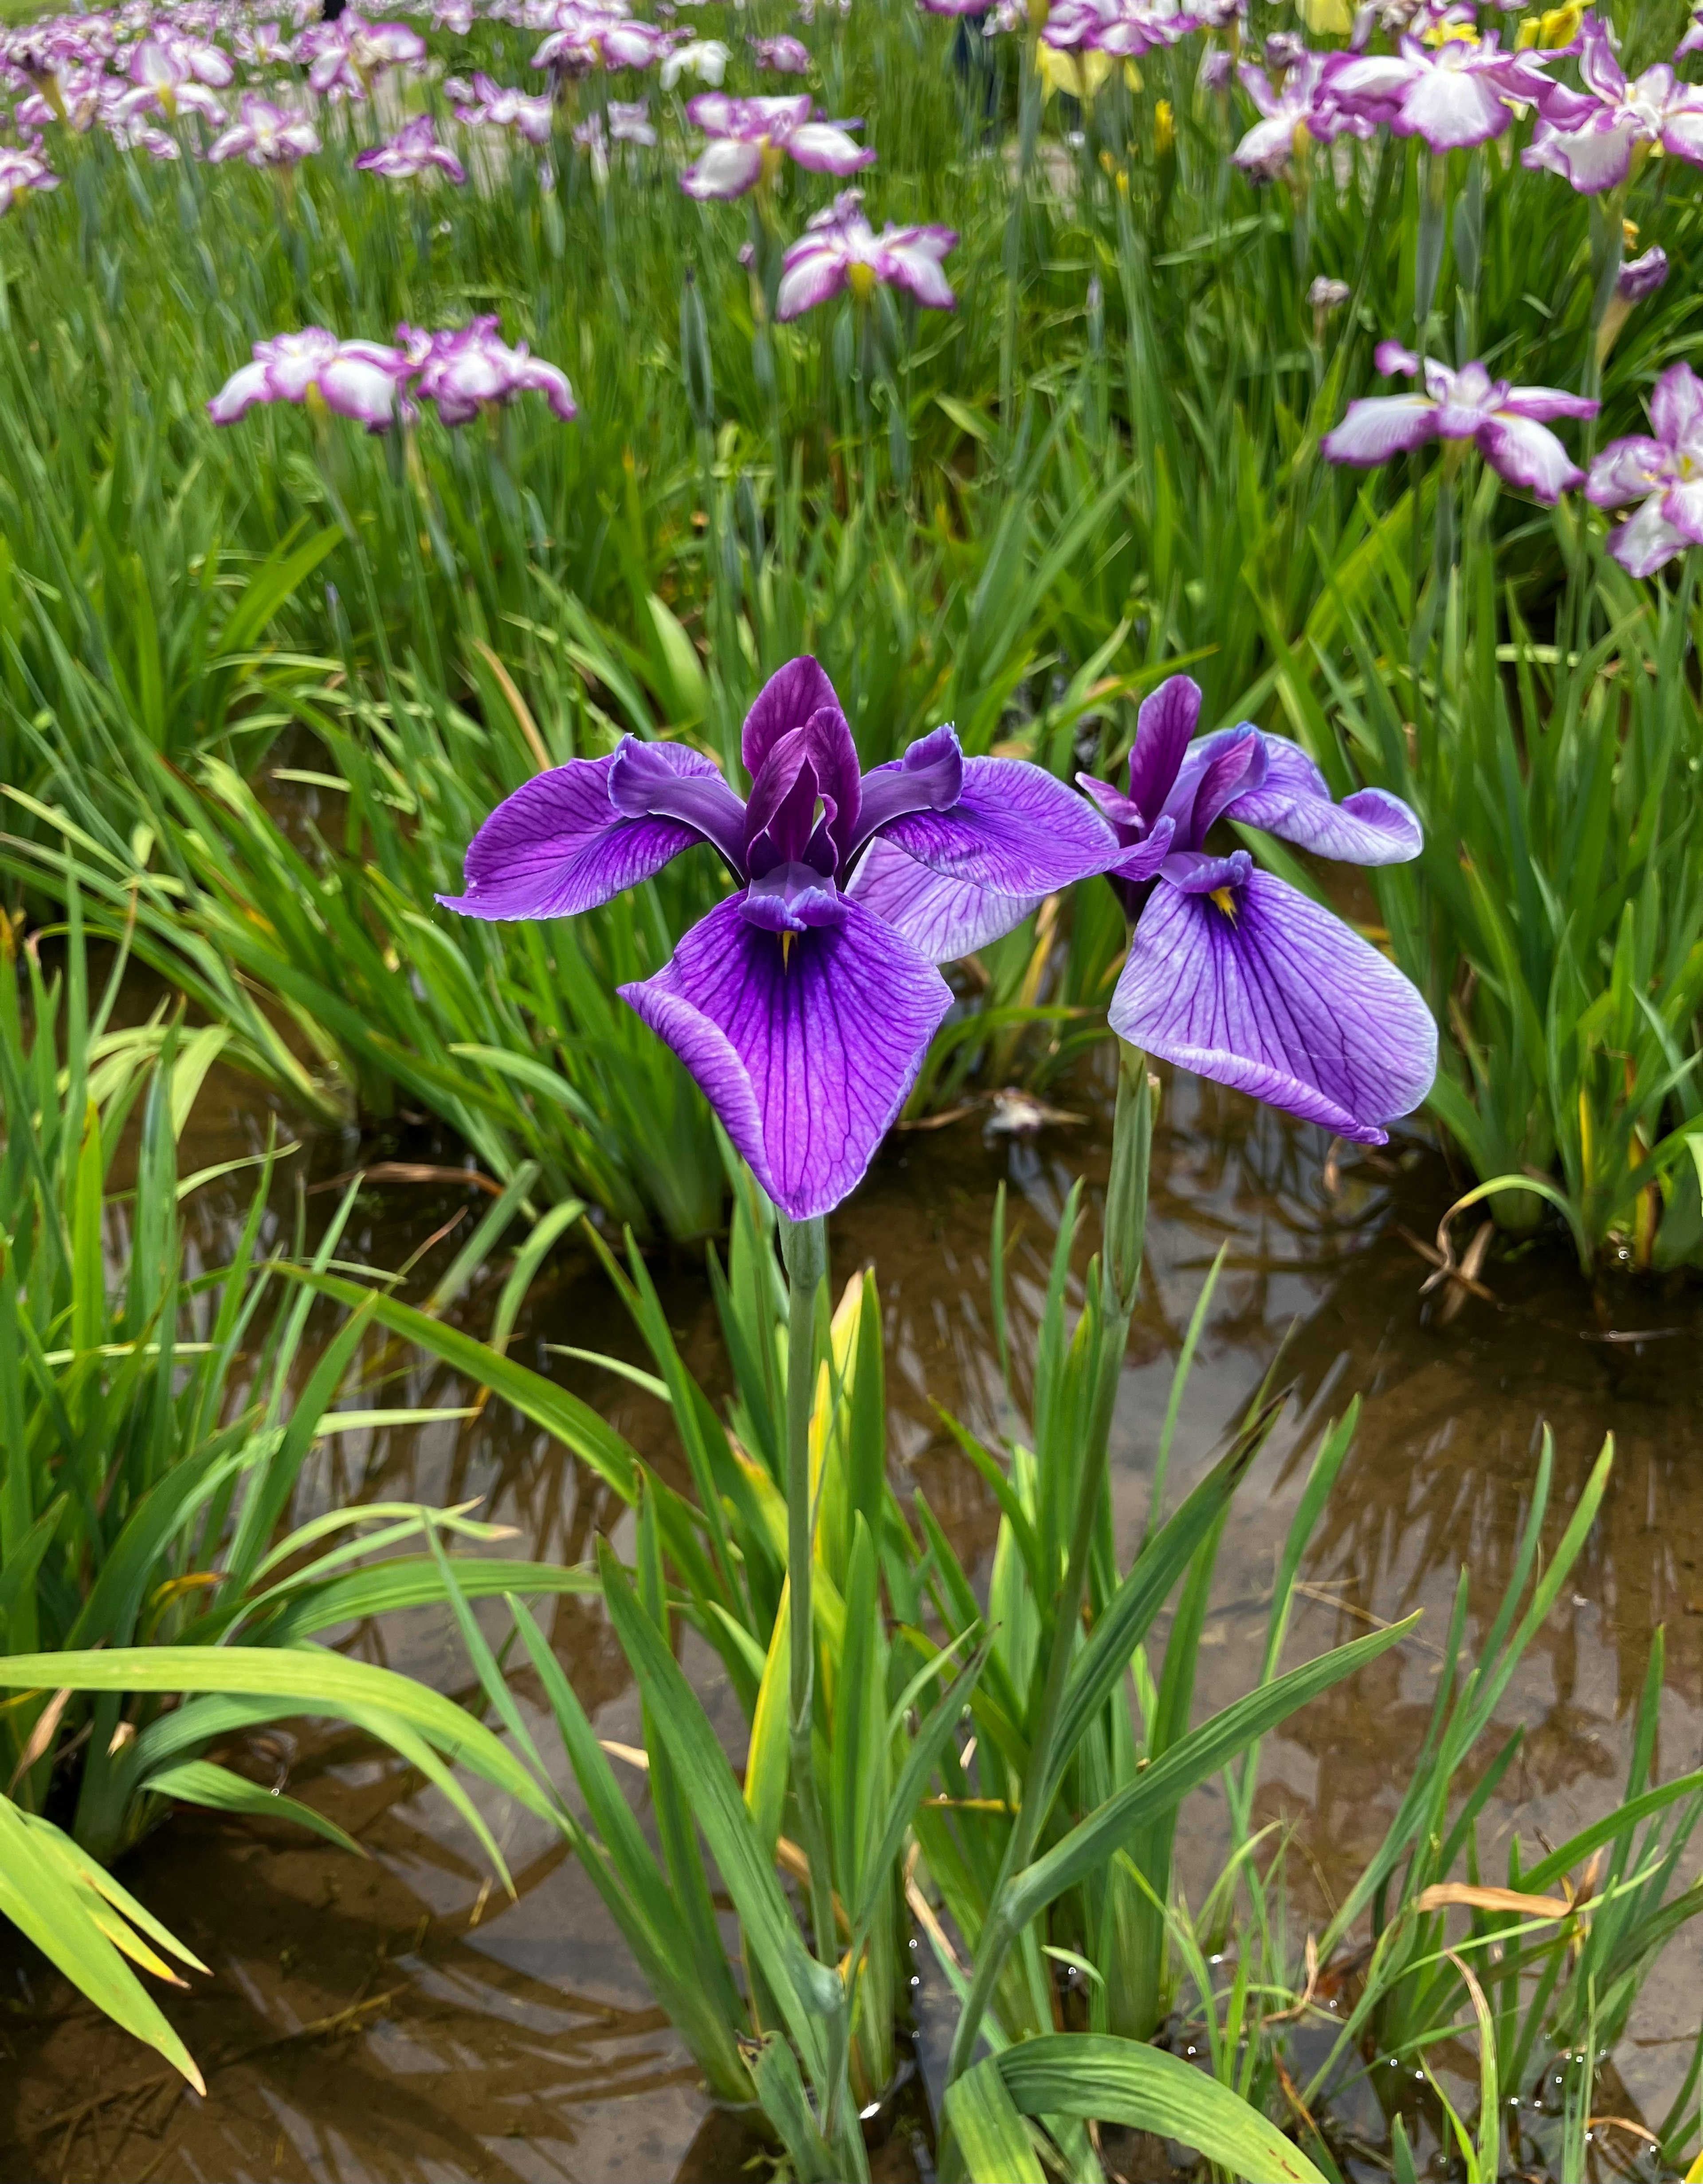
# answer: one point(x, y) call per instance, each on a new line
point(392, 2019)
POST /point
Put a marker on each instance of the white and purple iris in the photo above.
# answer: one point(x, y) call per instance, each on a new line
point(839, 249)
point(782, 56)
point(266, 135)
point(1590, 136)
point(1231, 971)
point(587, 38)
point(1454, 96)
point(462, 369)
point(802, 1010)
point(1662, 469)
point(346, 56)
point(413, 151)
point(1506, 424)
point(20, 174)
point(1301, 109)
point(489, 105)
point(1128, 29)
point(750, 138)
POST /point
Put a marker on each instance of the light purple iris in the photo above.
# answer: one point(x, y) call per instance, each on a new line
point(800, 1010)
point(1452, 96)
point(1505, 423)
point(1639, 277)
point(1126, 28)
point(466, 369)
point(21, 173)
point(266, 135)
point(357, 379)
point(1589, 136)
point(1691, 43)
point(345, 56)
point(839, 249)
point(1302, 109)
point(413, 151)
point(263, 45)
point(750, 137)
point(1234, 973)
point(489, 105)
point(1663, 470)
point(783, 56)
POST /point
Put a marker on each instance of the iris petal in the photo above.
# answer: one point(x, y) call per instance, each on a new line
point(1014, 829)
point(943, 919)
point(1280, 998)
point(806, 1045)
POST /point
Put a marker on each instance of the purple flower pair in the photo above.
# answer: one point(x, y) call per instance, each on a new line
point(1590, 136)
point(266, 135)
point(413, 151)
point(804, 1004)
point(1505, 423)
point(462, 369)
point(1663, 471)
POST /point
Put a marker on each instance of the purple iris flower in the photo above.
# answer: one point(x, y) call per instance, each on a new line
point(466, 369)
point(1126, 28)
point(345, 55)
point(1663, 470)
point(1454, 96)
point(784, 55)
point(357, 379)
point(21, 173)
point(1504, 422)
point(267, 135)
point(839, 249)
point(1589, 136)
point(587, 38)
point(489, 105)
point(799, 1007)
point(750, 138)
point(1303, 110)
point(413, 151)
point(1234, 973)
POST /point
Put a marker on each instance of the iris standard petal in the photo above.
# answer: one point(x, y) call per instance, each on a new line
point(1167, 719)
point(1013, 829)
point(1676, 405)
point(943, 919)
point(791, 695)
point(805, 1046)
point(928, 778)
point(672, 781)
point(1379, 426)
point(1295, 802)
point(558, 846)
point(1279, 998)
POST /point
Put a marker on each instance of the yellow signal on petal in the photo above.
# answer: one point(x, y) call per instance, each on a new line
point(785, 950)
point(1226, 901)
point(860, 278)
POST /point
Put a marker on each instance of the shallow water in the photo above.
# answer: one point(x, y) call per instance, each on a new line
point(394, 2019)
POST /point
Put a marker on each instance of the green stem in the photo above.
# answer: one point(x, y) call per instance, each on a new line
point(1114, 1303)
point(805, 1244)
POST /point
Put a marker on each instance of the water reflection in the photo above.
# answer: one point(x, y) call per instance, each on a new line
point(397, 2019)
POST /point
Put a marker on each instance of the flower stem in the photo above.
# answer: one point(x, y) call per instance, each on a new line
point(805, 1246)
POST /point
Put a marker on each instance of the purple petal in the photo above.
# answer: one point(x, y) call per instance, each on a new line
point(1393, 361)
point(1235, 768)
point(929, 777)
point(1545, 402)
point(1145, 860)
point(943, 919)
point(558, 846)
point(1294, 801)
point(1280, 998)
point(1598, 69)
point(1628, 470)
point(1013, 829)
point(1682, 134)
point(825, 149)
point(1164, 726)
point(1648, 542)
point(1379, 427)
point(356, 387)
point(1452, 109)
point(1528, 454)
point(245, 387)
point(1676, 405)
point(670, 781)
point(1594, 159)
point(785, 702)
point(806, 1045)
point(1681, 505)
point(815, 274)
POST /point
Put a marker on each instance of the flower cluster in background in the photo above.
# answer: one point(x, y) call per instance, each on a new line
point(462, 370)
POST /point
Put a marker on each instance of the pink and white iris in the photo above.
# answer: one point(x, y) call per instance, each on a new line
point(1663, 470)
point(346, 56)
point(22, 173)
point(495, 106)
point(1126, 28)
point(463, 369)
point(413, 151)
point(750, 137)
point(1589, 136)
point(587, 38)
point(1301, 109)
point(1452, 96)
point(839, 249)
point(267, 135)
point(1508, 424)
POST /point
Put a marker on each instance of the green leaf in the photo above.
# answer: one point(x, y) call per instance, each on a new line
point(991, 2138)
point(1125, 2082)
point(200, 1782)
